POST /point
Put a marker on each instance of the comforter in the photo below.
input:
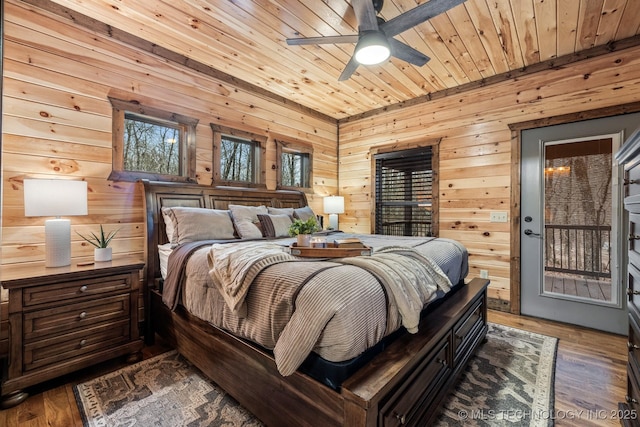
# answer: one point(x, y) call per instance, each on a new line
point(337, 308)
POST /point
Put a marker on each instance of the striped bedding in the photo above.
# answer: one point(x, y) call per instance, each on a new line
point(335, 308)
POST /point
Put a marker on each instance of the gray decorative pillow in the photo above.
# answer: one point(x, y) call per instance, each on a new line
point(304, 213)
point(245, 219)
point(281, 211)
point(275, 225)
point(186, 224)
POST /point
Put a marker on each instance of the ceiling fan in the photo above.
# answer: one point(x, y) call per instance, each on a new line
point(374, 41)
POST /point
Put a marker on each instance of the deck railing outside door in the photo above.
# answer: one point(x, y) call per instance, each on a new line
point(578, 249)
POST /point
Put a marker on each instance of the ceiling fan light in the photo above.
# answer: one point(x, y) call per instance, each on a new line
point(372, 48)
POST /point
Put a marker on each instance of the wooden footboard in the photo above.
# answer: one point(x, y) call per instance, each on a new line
point(404, 385)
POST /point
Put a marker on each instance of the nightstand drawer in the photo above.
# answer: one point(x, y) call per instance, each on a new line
point(59, 320)
point(64, 291)
point(58, 349)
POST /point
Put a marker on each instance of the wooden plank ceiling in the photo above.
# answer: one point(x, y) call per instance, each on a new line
point(473, 42)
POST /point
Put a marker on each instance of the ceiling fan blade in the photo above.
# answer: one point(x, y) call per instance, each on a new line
point(407, 53)
point(366, 15)
point(324, 40)
point(351, 67)
point(417, 15)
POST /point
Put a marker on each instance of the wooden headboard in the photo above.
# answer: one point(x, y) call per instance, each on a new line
point(169, 194)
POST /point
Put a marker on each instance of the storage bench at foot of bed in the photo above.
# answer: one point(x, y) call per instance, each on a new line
point(403, 385)
point(407, 386)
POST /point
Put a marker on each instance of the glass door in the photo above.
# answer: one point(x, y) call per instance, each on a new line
point(571, 238)
point(578, 214)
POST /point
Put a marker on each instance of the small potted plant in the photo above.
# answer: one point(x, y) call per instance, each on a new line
point(102, 251)
point(303, 229)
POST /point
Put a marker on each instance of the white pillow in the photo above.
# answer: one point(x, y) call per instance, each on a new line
point(245, 218)
point(186, 224)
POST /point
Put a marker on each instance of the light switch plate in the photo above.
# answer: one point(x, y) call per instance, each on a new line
point(498, 217)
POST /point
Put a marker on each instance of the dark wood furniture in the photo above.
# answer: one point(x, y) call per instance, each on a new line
point(403, 385)
point(66, 318)
point(629, 156)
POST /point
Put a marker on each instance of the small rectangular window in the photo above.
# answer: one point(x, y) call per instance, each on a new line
point(238, 159)
point(295, 164)
point(149, 143)
point(295, 169)
point(152, 145)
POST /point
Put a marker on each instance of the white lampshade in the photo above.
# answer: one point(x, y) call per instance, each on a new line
point(55, 197)
point(333, 205)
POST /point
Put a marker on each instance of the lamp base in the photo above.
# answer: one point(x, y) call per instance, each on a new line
point(333, 221)
point(57, 241)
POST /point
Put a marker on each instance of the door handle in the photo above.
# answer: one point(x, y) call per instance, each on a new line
point(529, 232)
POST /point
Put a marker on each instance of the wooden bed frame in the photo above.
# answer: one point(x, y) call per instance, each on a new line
point(403, 385)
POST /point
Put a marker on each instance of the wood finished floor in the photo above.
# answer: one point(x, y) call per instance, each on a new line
point(590, 376)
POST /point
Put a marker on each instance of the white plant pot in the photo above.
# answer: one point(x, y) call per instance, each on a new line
point(102, 254)
point(304, 239)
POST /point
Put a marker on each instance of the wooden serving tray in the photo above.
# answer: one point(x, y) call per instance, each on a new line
point(331, 251)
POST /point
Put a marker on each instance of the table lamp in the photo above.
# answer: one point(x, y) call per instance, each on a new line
point(333, 205)
point(55, 197)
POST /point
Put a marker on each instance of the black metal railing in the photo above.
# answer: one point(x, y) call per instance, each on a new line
point(406, 228)
point(578, 249)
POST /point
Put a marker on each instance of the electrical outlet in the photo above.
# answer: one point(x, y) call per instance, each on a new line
point(484, 274)
point(498, 217)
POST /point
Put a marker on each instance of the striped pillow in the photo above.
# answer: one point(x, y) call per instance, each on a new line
point(275, 225)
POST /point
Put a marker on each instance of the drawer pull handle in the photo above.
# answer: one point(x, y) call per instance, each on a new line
point(401, 418)
point(630, 399)
point(632, 292)
point(632, 346)
point(630, 181)
point(83, 343)
point(441, 361)
point(83, 315)
point(83, 288)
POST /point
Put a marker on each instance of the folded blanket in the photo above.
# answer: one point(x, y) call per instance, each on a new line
point(233, 268)
point(410, 280)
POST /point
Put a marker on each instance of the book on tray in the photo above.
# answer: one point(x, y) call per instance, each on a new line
point(350, 242)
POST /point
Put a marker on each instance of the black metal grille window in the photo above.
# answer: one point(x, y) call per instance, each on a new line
point(404, 181)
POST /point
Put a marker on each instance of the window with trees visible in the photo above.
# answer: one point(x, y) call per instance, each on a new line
point(240, 156)
point(295, 165)
point(152, 143)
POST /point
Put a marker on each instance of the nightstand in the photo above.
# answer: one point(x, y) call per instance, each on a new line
point(67, 318)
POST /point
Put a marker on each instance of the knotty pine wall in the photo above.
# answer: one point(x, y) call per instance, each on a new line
point(475, 173)
point(57, 124)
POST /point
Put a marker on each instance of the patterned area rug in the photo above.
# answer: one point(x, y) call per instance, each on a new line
point(509, 382)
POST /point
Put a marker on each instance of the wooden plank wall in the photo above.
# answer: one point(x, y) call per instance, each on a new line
point(475, 150)
point(57, 123)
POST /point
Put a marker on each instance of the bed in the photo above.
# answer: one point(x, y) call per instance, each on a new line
point(391, 377)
